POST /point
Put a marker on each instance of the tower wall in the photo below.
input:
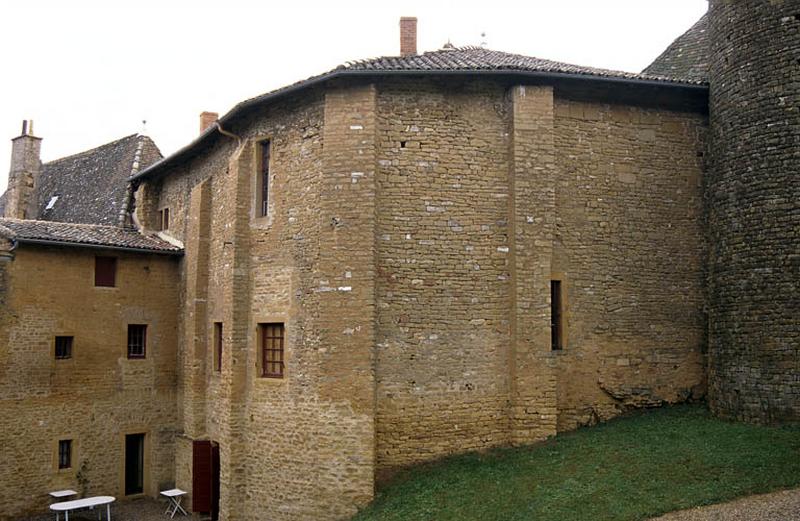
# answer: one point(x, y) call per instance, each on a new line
point(753, 199)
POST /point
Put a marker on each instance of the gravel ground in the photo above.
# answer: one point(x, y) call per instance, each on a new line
point(777, 506)
point(144, 509)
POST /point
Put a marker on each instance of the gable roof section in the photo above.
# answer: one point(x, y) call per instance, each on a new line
point(85, 235)
point(92, 187)
point(451, 61)
point(687, 57)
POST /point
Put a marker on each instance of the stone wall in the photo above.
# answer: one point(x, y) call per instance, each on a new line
point(300, 447)
point(98, 395)
point(753, 199)
point(629, 246)
point(413, 231)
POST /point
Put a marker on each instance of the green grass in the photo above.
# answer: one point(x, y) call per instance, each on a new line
point(630, 468)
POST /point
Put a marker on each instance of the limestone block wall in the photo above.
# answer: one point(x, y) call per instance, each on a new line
point(443, 273)
point(753, 198)
point(98, 395)
point(629, 245)
point(300, 447)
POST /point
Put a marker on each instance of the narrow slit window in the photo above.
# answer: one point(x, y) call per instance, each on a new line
point(105, 272)
point(218, 346)
point(137, 340)
point(272, 350)
point(64, 454)
point(556, 316)
point(63, 347)
point(263, 178)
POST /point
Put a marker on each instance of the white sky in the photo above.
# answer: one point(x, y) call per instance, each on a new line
point(88, 72)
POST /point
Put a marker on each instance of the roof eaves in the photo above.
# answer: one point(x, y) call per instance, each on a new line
point(76, 244)
point(344, 72)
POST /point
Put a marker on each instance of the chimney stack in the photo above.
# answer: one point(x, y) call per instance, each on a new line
point(408, 35)
point(23, 177)
point(207, 119)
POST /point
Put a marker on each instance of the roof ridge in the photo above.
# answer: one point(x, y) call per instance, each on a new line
point(90, 151)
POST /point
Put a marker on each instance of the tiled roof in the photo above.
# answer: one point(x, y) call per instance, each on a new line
point(464, 60)
point(687, 57)
point(88, 235)
point(92, 187)
point(478, 59)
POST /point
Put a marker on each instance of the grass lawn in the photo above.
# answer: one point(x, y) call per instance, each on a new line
point(629, 468)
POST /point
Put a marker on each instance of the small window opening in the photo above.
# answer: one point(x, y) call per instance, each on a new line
point(163, 219)
point(218, 346)
point(263, 178)
point(402, 144)
point(272, 350)
point(556, 316)
point(64, 454)
point(105, 272)
point(63, 347)
point(137, 340)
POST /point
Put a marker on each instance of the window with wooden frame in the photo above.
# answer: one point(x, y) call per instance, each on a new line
point(63, 347)
point(64, 454)
point(262, 181)
point(271, 337)
point(137, 340)
point(163, 219)
point(105, 271)
point(218, 346)
point(556, 316)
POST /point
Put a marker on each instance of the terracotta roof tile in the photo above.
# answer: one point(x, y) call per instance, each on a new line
point(90, 235)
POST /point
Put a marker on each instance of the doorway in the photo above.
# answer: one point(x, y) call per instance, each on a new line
point(134, 464)
point(205, 477)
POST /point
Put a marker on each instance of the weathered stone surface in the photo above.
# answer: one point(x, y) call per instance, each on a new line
point(753, 196)
point(98, 395)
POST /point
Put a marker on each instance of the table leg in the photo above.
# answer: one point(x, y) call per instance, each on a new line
point(108, 512)
point(66, 515)
point(180, 500)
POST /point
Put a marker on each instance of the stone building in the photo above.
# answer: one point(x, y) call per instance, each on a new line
point(409, 257)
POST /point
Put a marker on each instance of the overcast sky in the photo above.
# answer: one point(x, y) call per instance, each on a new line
point(88, 72)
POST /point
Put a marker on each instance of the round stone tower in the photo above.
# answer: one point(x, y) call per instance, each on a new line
point(753, 198)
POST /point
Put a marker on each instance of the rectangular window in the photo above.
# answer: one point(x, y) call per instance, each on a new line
point(218, 346)
point(263, 179)
point(105, 271)
point(64, 454)
point(63, 347)
point(137, 340)
point(272, 363)
point(556, 316)
point(163, 219)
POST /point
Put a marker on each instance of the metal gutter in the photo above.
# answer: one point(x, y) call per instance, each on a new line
point(335, 74)
point(49, 242)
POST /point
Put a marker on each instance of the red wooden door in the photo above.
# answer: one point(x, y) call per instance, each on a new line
point(202, 471)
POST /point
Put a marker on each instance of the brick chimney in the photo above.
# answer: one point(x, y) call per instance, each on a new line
point(408, 35)
point(207, 119)
point(24, 174)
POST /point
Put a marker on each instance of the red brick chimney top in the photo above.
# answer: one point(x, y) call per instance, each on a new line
point(207, 119)
point(408, 35)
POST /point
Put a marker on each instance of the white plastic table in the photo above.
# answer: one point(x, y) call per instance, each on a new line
point(58, 494)
point(175, 495)
point(87, 502)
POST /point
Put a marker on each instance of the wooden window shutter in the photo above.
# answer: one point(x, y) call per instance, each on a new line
point(201, 476)
point(105, 271)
